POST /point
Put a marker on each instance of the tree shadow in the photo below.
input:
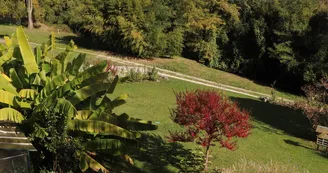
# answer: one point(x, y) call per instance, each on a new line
point(297, 144)
point(157, 155)
point(82, 42)
point(322, 153)
point(290, 121)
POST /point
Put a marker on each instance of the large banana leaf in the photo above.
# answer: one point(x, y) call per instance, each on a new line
point(95, 79)
point(92, 71)
point(135, 123)
point(36, 80)
point(68, 60)
point(26, 52)
point(83, 114)
point(8, 41)
point(104, 144)
point(7, 97)
point(43, 77)
point(23, 76)
point(99, 127)
point(64, 106)
point(15, 79)
point(113, 85)
point(58, 93)
point(108, 117)
point(64, 58)
point(28, 93)
point(40, 132)
point(7, 56)
point(87, 162)
point(56, 67)
point(6, 85)
point(52, 85)
point(12, 100)
point(75, 66)
point(119, 100)
point(11, 115)
point(19, 102)
point(38, 54)
point(105, 104)
point(46, 67)
point(88, 91)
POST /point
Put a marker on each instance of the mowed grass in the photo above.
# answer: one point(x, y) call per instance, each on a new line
point(193, 68)
point(36, 35)
point(177, 64)
point(278, 134)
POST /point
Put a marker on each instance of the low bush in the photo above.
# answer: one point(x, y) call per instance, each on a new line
point(138, 75)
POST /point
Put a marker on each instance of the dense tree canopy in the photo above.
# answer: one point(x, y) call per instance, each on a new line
point(278, 40)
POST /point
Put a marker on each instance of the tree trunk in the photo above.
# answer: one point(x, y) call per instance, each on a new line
point(29, 5)
point(206, 158)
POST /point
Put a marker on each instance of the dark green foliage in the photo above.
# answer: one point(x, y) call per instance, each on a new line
point(271, 42)
point(276, 40)
point(66, 113)
point(12, 11)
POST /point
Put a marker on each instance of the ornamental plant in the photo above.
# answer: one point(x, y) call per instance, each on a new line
point(209, 118)
point(66, 113)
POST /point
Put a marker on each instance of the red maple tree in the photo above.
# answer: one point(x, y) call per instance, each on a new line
point(209, 118)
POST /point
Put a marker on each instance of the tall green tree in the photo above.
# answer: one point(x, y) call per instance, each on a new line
point(264, 40)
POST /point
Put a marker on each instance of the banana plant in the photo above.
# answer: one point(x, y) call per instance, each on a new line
point(32, 82)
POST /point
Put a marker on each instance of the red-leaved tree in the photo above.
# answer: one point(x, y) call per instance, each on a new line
point(209, 118)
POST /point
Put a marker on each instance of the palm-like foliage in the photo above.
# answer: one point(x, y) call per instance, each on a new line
point(31, 83)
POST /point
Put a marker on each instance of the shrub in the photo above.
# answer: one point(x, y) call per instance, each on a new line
point(193, 163)
point(134, 75)
point(138, 75)
point(153, 74)
point(208, 117)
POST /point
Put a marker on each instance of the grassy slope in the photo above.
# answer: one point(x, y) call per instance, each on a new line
point(177, 64)
point(273, 135)
point(190, 67)
point(278, 133)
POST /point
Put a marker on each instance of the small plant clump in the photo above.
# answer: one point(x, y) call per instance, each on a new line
point(209, 118)
point(138, 75)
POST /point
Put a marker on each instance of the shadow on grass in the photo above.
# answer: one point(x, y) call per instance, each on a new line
point(297, 144)
point(291, 122)
point(82, 42)
point(157, 154)
point(154, 155)
point(323, 153)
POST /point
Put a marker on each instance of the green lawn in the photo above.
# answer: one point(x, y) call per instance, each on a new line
point(177, 64)
point(279, 134)
point(190, 67)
